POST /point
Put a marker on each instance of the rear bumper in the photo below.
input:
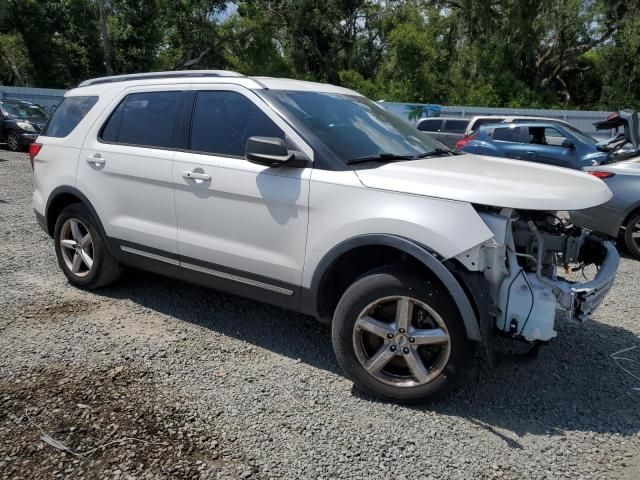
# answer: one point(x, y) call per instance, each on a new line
point(582, 298)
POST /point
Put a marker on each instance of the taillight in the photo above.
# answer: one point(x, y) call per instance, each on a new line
point(463, 141)
point(34, 149)
point(599, 174)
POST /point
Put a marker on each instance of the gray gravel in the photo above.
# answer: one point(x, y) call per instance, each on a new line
point(170, 380)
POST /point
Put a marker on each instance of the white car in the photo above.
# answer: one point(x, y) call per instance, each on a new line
point(476, 122)
point(314, 198)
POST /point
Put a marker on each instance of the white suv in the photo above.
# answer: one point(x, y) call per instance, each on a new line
point(314, 198)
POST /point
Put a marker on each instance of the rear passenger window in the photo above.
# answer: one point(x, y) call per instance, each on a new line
point(430, 125)
point(456, 126)
point(146, 119)
point(68, 115)
point(507, 134)
point(223, 121)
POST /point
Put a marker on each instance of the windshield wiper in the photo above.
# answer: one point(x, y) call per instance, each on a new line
point(383, 157)
point(437, 151)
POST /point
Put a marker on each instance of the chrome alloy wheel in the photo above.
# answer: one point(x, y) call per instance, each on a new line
point(401, 341)
point(76, 247)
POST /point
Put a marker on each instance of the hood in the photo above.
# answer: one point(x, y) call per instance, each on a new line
point(490, 181)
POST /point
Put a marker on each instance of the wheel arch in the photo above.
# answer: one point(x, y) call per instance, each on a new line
point(376, 249)
point(63, 196)
point(634, 210)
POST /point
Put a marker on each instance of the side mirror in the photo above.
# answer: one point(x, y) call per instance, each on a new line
point(568, 144)
point(272, 152)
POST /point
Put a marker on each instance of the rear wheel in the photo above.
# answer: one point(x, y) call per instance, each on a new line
point(81, 250)
point(399, 336)
point(13, 141)
point(632, 235)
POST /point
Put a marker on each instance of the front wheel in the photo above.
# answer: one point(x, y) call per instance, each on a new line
point(13, 141)
point(399, 337)
point(632, 235)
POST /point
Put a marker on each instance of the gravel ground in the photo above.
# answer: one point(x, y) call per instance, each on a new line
point(153, 378)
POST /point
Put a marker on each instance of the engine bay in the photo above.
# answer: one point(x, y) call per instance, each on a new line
point(536, 264)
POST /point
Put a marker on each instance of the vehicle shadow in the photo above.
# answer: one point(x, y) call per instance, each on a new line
point(573, 385)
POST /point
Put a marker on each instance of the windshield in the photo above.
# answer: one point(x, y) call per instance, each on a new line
point(353, 127)
point(25, 111)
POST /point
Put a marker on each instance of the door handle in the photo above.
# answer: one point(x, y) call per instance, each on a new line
point(96, 160)
point(531, 154)
point(196, 175)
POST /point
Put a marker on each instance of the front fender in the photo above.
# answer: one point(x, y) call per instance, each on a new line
point(419, 252)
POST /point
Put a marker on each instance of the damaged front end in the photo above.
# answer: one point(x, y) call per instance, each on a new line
point(536, 264)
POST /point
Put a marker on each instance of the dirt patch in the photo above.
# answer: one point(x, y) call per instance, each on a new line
point(101, 423)
point(63, 308)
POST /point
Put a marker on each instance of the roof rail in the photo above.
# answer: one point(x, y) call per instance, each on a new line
point(158, 75)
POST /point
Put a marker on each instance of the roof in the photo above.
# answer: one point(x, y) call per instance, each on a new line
point(538, 123)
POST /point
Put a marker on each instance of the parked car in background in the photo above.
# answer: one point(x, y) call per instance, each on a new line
point(446, 130)
point(20, 123)
point(541, 142)
point(480, 120)
point(619, 217)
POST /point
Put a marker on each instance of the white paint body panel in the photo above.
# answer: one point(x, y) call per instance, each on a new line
point(247, 217)
point(340, 208)
point(491, 181)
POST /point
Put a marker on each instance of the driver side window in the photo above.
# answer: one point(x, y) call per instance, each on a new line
point(223, 121)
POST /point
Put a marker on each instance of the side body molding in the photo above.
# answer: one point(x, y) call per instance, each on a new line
point(422, 254)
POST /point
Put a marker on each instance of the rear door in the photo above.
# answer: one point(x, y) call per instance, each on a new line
point(508, 141)
point(126, 169)
point(241, 227)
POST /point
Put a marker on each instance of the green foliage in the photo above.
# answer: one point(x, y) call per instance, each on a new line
point(15, 65)
point(515, 53)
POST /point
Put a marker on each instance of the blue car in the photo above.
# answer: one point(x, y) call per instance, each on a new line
point(538, 141)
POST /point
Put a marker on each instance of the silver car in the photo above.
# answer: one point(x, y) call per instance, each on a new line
point(620, 216)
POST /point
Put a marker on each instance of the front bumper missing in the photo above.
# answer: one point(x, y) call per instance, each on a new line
point(582, 298)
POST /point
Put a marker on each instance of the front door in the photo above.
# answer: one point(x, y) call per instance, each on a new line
point(241, 227)
point(545, 144)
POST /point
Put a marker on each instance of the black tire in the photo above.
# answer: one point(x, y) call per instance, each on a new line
point(13, 142)
point(105, 269)
point(633, 227)
point(389, 282)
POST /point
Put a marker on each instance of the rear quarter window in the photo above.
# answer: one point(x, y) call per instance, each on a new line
point(68, 115)
point(430, 125)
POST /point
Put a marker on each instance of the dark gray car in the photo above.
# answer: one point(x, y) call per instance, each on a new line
point(445, 130)
point(620, 216)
